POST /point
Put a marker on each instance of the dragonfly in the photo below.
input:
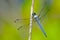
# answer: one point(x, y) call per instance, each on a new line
point(36, 18)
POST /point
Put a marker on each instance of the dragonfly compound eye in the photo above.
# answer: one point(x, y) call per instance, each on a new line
point(34, 14)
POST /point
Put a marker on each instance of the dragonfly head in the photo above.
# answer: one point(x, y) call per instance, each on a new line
point(33, 14)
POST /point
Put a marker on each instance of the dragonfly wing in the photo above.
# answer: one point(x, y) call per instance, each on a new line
point(21, 22)
point(23, 27)
point(45, 8)
point(44, 14)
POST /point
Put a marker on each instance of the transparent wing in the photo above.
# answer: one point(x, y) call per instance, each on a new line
point(45, 8)
point(21, 22)
point(22, 25)
point(44, 14)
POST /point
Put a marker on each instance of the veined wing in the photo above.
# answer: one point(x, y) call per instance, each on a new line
point(22, 26)
point(21, 22)
point(43, 15)
point(45, 8)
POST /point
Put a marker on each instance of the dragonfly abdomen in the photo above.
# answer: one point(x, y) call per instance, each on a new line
point(38, 21)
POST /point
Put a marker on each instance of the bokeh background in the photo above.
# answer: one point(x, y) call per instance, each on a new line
point(10, 10)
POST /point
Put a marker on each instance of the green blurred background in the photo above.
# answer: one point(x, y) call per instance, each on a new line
point(13, 9)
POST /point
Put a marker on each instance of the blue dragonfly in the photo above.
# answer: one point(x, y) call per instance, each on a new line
point(39, 24)
point(37, 18)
